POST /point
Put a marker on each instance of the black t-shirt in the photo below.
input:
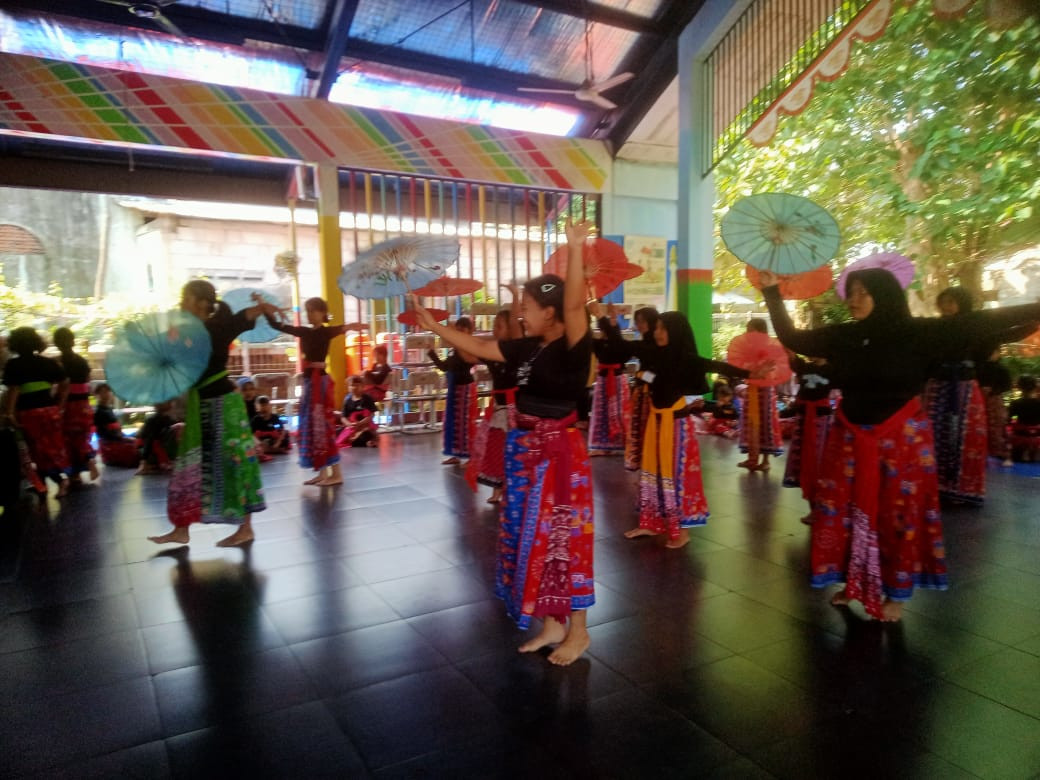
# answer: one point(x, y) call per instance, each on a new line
point(221, 333)
point(550, 377)
point(1025, 411)
point(33, 368)
point(352, 404)
point(76, 367)
point(313, 341)
point(267, 424)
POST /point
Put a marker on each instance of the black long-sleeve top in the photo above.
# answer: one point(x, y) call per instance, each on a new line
point(879, 369)
point(222, 331)
point(673, 377)
point(814, 381)
point(455, 365)
point(503, 375)
point(76, 368)
point(611, 349)
point(313, 341)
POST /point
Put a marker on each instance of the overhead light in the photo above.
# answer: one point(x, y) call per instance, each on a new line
point(145, 10)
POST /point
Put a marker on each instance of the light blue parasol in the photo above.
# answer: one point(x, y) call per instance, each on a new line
point(242, 298)
point(157, 357)
point(398, 266)
point(779, 232)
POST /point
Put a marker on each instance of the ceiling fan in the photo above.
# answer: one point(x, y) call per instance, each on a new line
point(589, 90)
point(153, 10)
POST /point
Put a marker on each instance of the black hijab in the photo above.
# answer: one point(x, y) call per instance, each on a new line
point(678, 368)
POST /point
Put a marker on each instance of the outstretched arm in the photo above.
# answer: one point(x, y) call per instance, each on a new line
point(806, 342)
point(485, 350)
point(575, 320)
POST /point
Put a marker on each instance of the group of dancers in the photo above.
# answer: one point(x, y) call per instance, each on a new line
point(874, 490)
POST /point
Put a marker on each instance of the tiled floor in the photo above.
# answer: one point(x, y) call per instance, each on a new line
point(358, 637)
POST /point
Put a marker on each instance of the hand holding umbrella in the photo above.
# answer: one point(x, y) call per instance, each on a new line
point(423, 317)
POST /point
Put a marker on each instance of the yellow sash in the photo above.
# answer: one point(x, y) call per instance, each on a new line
point(658, 446)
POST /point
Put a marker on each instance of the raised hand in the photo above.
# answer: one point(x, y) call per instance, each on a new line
point(577, 232)
point(424, 318)
point(767, 278)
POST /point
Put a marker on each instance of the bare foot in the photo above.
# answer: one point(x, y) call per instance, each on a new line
point(840, 599)
point(891, 611)
point(242, 536)
point(682, 541)
point(495, 497)
point(572, 648)
point(553, 632)
point(94, 474)
point(63, 488)
point(329, 481)
point(808, 519)
point(759, 467)
point(313, 480)
point(635, 533)
point(747, 464)
point(450, 461)
point(176, 536)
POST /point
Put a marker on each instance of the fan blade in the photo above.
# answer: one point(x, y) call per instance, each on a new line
point(164, 22)
point(613, 81)
point(123, 3)
point(600, 101)
point(552, 91)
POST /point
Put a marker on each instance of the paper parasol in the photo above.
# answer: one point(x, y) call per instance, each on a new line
point(398, 266)
point(157, 357)
point(755, 351)
point(447, 286)
point(411, 317)
point(779, 232)
point(606, 265)
point(242, 298)
point(902, 268)
point(796, 287)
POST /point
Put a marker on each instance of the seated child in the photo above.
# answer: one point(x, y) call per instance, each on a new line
point(157, 440)
point(721, 414)
point(359, 429)
point(1024, 415)
point(115, 448)
point(270, 428)
point(377, 379)
point(247, 388)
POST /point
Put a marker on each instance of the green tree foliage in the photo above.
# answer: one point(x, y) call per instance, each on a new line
point(929, 145)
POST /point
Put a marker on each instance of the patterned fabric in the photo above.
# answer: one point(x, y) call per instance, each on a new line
point(77, 427)
point(611, 409)
point(42, 429)
point(760, 421)
point(802, 469)
point(639, 404)
point(216, 477)
point(317, 430)
point(122, 453)
point(460, 413)
point(546, 532)
point(876, 520)
point(487, 466)
point(958, 414)
point(1024, 440)
point(996, 425)
point(672, 498)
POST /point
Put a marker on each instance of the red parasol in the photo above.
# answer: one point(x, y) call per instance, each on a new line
point(606, 265)
point(755, 351)
point(410, 317)
point(796, 287)
point(447, 286)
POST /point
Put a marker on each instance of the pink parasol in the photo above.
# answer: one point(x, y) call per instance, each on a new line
point(795, 287)
point(410, 317)
point(446, 286)
point(902, 268)
point(606, 265)
point(757, 352)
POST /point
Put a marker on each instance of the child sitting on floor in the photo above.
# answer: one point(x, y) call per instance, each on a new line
point(157, 440)
point(115, 448)
point(1024, 415)
point(721, 415)
point(377, 379)
point(359, 429)
point(270, 429)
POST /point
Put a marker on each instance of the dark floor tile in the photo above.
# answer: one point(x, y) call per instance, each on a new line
point(301, 741)
point(54, 731)
point(28, 675)
point(398, 562)
point(306, 579)
point(974, 610)
point(630, 734)
point(739, 702)
point(227, 689)
point(646, 648)
point(368, 655)
point(738, 623)
point(65, 622)
point(430, 592)
point(143, 762)
point(1010, 677)
point(365, 539)
point(402, 719)
point(504, 756)
point(328, 613)
point(739, 769)
point(470, 630)
point(179, 644)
